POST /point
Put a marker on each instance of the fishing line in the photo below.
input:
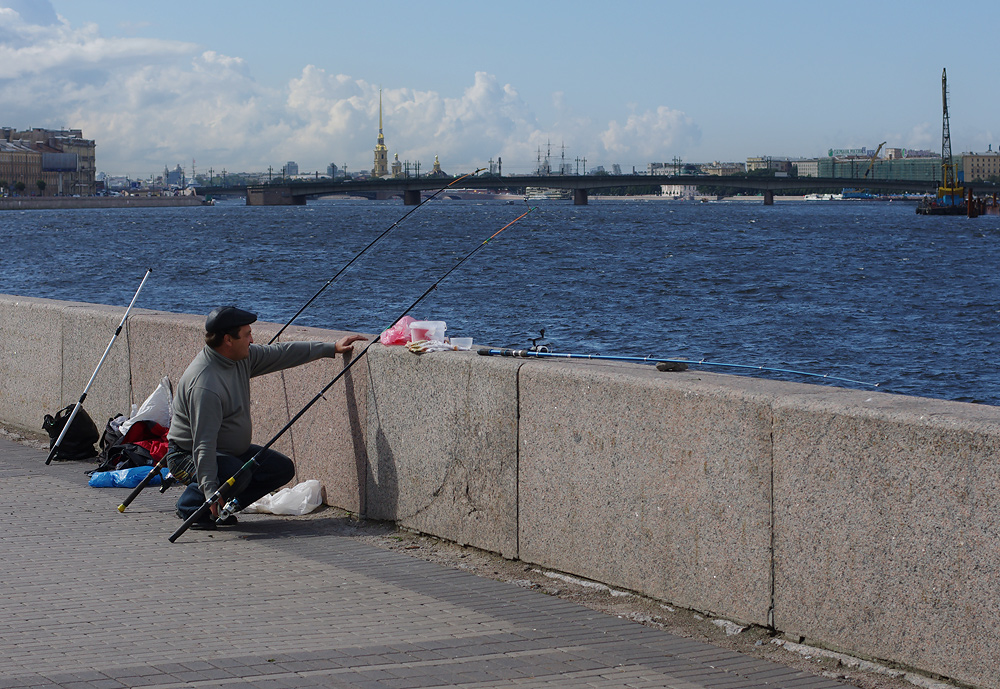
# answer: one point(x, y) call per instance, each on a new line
point(118, 330)
point(168, 482)
point(528, 354)
point(370, 245)
point(254, 461)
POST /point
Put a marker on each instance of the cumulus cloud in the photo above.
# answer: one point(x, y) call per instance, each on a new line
point(651, 134)
point(341, 114)
point(155, 103)
point(923, 136)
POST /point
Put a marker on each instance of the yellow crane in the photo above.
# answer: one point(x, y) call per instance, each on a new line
point(871, 164)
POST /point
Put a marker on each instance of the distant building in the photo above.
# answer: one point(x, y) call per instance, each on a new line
point(381, 168)
point(61, 159)
point(291, 168)
point(175, 177)
point(724, 169)
point(679, 191)
point(397, 167)
point(769, 163)
point(855, 167)
point(807, 168)
point(981, 166)
point(331, 170)
point(437, 171)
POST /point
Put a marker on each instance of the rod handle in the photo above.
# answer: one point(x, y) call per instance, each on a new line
point(142, 484)
point(195, 516)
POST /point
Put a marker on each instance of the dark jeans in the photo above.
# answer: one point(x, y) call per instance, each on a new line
point(273, 471)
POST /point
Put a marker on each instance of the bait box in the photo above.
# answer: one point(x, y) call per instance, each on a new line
point(427, 330)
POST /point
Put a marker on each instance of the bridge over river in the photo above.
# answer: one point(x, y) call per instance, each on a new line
point(411, 188)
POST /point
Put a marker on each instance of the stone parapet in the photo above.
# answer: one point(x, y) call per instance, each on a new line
point(860, 521)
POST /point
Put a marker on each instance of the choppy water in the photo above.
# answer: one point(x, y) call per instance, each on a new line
point(865, 290)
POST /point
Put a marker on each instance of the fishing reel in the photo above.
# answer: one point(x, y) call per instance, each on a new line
point(228, 510)
point(535, 347)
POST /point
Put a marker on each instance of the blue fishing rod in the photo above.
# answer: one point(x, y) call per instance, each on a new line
point(663, 364)
point(224, 489)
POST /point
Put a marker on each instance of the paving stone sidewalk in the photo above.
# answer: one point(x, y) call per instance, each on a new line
point(95, 599)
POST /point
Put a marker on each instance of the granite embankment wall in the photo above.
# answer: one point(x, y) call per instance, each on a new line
point(861, 521)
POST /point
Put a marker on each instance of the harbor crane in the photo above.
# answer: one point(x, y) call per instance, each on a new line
point(949, 188)
point(871, 164)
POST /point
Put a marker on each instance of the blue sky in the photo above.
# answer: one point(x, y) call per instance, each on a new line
point(244, 85)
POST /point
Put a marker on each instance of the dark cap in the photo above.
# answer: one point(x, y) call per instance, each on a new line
point(225, 318)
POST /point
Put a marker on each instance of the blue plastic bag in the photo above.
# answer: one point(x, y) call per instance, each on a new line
point(124, 478)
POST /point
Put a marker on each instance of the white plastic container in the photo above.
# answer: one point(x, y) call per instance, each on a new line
point(432, 331)
point(462, 342)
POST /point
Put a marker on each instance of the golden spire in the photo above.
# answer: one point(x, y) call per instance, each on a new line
point(381, 167)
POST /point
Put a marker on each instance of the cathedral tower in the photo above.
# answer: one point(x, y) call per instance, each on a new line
point(381, 168)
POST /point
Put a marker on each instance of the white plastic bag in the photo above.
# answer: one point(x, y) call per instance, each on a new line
point(158, 407)
point(298, 500)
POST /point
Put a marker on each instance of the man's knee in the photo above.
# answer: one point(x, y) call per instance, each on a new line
point(285, 469)
point(279, 468)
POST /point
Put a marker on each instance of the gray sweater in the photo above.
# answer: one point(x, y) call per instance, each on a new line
point(212, 402)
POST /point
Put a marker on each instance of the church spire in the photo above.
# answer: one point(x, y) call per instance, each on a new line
point(381, 168)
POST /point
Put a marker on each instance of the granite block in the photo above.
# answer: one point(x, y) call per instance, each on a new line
point(657, 483)
point(442, 439)
point(886, 544)
point(30, 360)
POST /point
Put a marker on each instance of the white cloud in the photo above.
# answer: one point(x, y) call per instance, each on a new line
point(923, 136)
point(651, 134)
point(340, 115)
point(154, 103)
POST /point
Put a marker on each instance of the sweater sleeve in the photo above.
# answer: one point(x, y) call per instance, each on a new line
point(270, 358)
point(206, 420)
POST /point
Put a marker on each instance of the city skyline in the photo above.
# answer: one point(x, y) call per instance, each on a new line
point(217, 82)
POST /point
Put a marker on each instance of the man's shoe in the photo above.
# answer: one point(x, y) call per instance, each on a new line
point(228, 521)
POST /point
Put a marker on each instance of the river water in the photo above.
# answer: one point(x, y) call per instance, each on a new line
point(863, 290)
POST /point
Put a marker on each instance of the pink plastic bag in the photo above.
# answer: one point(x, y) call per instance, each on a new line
point(398, 334)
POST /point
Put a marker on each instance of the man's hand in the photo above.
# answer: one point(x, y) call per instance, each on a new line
point(346, 343)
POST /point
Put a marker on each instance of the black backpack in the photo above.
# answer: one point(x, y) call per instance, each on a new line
point(78, 443)
point(116, 454)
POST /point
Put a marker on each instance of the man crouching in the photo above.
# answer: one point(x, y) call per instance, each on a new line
point(210, 431)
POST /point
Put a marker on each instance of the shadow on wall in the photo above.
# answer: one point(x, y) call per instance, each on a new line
point(358, 437)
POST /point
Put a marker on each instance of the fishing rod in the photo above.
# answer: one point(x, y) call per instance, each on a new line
point(254, 461)
point(370, 245)
point(169, 481)
point(69, 422)
point(668, 364)
point(143, 483)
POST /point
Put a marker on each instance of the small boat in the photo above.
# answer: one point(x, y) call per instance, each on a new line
point(547, 194)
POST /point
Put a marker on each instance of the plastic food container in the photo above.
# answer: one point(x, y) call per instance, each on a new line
point(462, 342)
point(427, 330)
